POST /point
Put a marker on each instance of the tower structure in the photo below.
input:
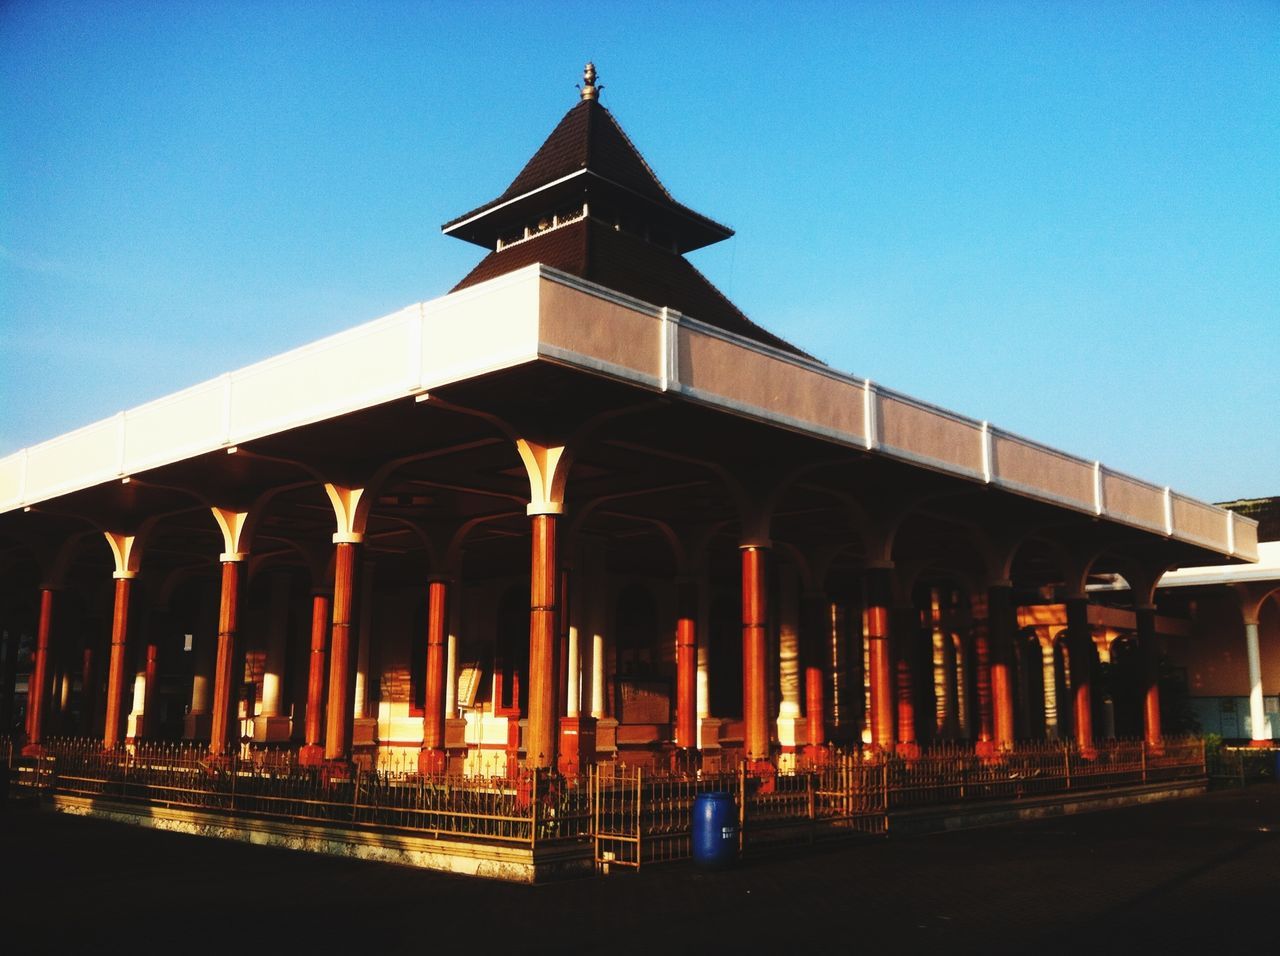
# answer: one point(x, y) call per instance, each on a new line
point(587, 203)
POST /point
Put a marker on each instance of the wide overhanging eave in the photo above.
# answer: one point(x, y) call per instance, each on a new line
point(690, 230)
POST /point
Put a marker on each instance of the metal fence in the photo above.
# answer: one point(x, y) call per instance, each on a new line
point(632, 816)
point(643, 816)
point(1241, 766)
point(639, 816)
point(953, 776)
point(530, 807)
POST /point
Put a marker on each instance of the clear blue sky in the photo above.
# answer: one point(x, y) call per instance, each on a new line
point(1061, 217)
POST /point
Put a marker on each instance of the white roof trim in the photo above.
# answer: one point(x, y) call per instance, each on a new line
point(1267, 569)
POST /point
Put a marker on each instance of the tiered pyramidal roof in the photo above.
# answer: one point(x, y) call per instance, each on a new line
point(588, 204)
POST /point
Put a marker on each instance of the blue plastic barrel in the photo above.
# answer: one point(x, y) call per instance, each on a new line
point(715, 830)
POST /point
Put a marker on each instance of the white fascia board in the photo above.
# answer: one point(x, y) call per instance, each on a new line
point(502, 205)
point(494, 325)
point(476, 351)
point(1267, 568)
point(984, 432)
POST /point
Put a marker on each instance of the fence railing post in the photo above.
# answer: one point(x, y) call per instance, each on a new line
point(1066, 761)
point(639, 829)
point(1144, 761)
point(533, 808)
point(593, 830)
point(812, 798)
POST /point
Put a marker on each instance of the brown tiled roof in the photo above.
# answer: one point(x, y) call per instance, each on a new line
point(588, 137)
point(617, 260)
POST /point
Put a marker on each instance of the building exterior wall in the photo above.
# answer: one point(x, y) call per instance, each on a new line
point(1217, 664)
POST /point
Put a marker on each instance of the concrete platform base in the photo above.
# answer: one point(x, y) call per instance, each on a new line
point(1000, 812)
point(513, 864)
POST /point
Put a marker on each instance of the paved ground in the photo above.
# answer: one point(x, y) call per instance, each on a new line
point(1195, 875)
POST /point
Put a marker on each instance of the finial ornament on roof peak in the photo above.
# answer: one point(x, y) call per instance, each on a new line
point(590, 91)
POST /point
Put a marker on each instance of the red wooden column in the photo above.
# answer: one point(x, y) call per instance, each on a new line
point(877, 587)
point(544, 579)
point(814, 652)
point(686, 664)
point(1080, 645)
point(311, 754)
point(905, 643)
point(225, 680)
point(1149, 652)
point(115, 668)
point(38, 688)
point(150, 675)
point(984, 742)
point(431, 758)
point(755, 687)
point(1000, 631)
point(339, 716)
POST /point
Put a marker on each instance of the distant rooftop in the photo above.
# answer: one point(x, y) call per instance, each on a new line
point(1265, 511)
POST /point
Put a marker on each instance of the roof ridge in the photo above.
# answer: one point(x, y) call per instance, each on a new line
point(635, 149)
point(591, 115)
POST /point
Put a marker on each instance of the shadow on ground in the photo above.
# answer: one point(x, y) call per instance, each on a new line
point(1193, 875)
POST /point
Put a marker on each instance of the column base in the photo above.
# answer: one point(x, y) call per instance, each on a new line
point(310, 755)
point(1155, 748)
point(515, 728)
point(711, 757)
point(766, 771)
point(455, 745)
point(364, 732)
point(985, 748)
point(606, 737)
point(1265, 744)
point(336, 769)
point(577, 745)
point(197, 726)
point(455, 733)
point(907, 749)
point(432, 761)
point(816, 755)
point(135, 726)
point(709, 733)
point(33, 750)
point(271, 730)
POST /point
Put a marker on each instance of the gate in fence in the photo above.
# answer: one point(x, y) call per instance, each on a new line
point(641, 816)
